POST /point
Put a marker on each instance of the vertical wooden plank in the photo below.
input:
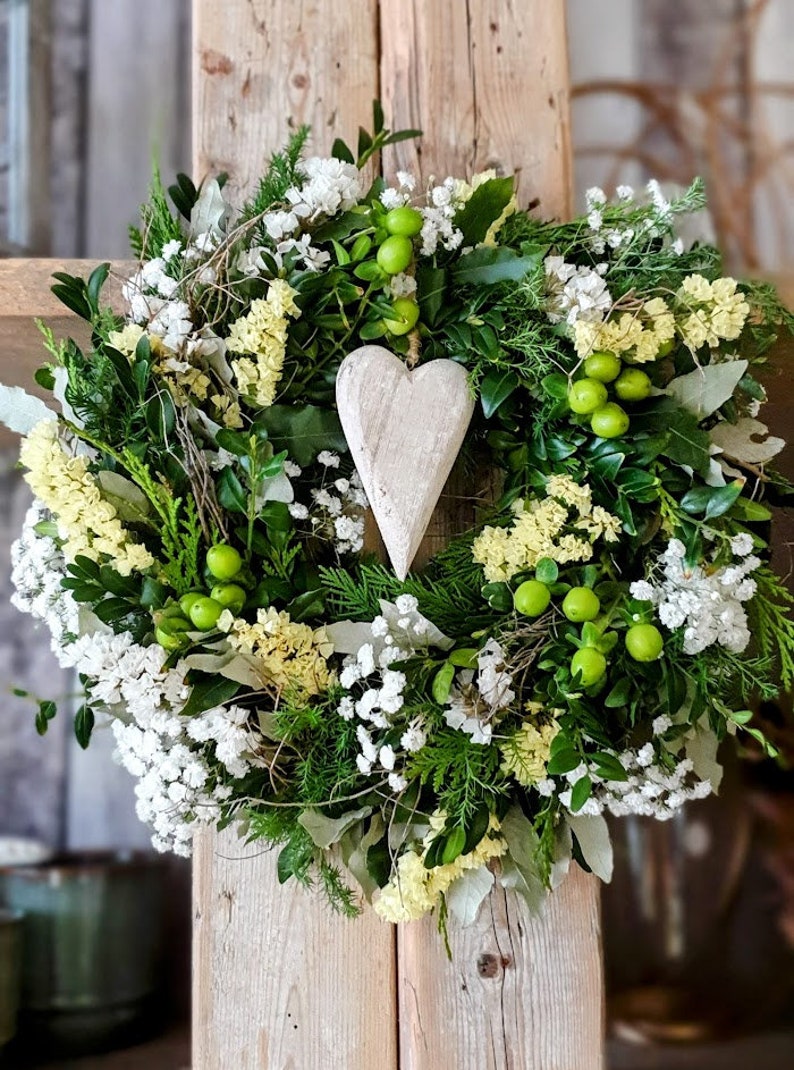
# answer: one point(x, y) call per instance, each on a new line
point(519, 992)
point(487, 82)
point(280, 983)
point(67, 165)
point(264, 67)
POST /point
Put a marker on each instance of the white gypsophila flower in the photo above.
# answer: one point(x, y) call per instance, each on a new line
point(625, 193)
point(402, 285)
point(37, 568)
point(650, 790)
point(172, 323)
point(331, 186)
point(328, 458)
point(660, 724)
point(298, 511)
point(574, 293)
point(705, 600)
point(595, 197)
point(742, 544)
point(171, 249)
point(438, 227)
point(493, 680)
point(291, 469)
point(280, 225)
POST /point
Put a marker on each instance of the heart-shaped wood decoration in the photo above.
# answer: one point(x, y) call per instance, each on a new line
point(404, 429)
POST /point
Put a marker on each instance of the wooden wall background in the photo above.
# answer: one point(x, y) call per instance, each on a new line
point(671, 87)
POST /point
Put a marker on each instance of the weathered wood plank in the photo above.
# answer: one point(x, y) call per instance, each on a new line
point(519, 992)
point(263, 67)
point(488, 85)
point(281, 983)
point(25, 295)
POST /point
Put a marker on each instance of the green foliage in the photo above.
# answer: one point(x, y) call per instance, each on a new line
point(158, 225)
point(283, 171)
point(771, 624)
point(463, 775)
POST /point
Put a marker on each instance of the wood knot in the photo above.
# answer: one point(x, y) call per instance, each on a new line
point(214, 62)
point(300, 81)
point(488, 965)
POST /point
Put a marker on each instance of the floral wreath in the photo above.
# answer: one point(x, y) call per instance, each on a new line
point(195, 546)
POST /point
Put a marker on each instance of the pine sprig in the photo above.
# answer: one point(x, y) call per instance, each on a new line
point(772, 626)
point(283, 171)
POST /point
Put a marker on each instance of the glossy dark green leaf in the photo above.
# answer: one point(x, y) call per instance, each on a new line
point(231, 493)
point(495, 388)
point(489, 265)
point(483, 208)
point(208, 691)
point(84, 725)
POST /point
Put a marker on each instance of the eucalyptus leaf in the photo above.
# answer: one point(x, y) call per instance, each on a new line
point(466, 895)
point(747, 440)
point(210, 210)
point(701, 749)
point(20, 411)
point(706, 389)
point(326, 831)
point(592, 833)
point(127, 499)
point(520, 870)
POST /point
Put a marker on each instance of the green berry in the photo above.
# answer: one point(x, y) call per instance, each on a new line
point(610, 421)
point(204, 613)
point(406, 313)
point(603, 366)
point(223, 561)
point(586, 395)
point(581, 604)
point(395, 254)
point(633, 385)
point(532, 598)
point(405, 221)
point(230, 595)
point(644, 642)
point(589, 665)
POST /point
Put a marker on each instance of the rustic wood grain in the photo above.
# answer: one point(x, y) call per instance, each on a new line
point(487, 82)
point(25, 295)
point(280, 982)
point(404, 429)
point(519, 993)
point(263, 67)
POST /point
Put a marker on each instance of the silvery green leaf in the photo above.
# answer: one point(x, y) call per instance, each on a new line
point(326, 831)
point(747, 440)
point(238, 667)
point(20, 411)
point(592, 833)
point(128, 500)
point(563, 848)
point(466, 895)
point(275, 489)
point(348, 636)
point(61, 377)
point(704, 390)
point(209, 211)
point(354, 847)
point(519, 867)
point(701, 749)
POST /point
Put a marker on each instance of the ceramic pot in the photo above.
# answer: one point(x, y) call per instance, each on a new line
point(10, 963)
point(93, 943)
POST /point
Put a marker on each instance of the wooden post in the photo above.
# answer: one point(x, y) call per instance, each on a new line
point(278, 982)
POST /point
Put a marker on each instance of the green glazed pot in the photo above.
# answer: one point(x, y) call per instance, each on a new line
point(10, 965)
point(93, 943)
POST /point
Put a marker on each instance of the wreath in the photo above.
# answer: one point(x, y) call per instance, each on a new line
point(200, 548)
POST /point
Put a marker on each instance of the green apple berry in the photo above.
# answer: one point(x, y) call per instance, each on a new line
point(581, 604)
point(589, 665)
point(603, 366)
point(204, 613)
point(395, 254)
point(532, 598)
point(586, 395)
point(405, 221)
point(223, 561)
point(610, 421)
point(644, 642)
point(633, 385)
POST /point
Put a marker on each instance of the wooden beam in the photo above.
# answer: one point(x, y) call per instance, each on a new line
point(487, 83)
point(278, 980)
point(25, 296)
point(263, 67)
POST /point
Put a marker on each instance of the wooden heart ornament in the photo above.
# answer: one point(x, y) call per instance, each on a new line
point(404, 429)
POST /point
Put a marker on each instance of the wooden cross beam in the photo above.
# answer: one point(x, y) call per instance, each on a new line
point(278, 981)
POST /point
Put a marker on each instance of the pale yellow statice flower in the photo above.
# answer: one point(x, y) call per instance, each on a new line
point(262, 332)
point(229, 410)
point(635, 336)
point(126, 340)
point(710, 311)
point(539, 530)
point(290, 656)
point(525, 754)
point(414, 890)
point(600, 525)
point(88, 524)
